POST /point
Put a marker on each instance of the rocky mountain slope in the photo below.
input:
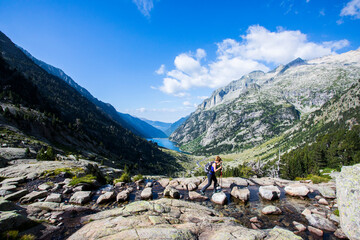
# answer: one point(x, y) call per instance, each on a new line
point(131, 123)
point(260, 106)
point(45, 107)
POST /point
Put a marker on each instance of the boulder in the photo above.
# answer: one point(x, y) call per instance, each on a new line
point(191, 186)
point(164, 182)
point(269, 192)
point(6, 205)
point(81, 197)
point(316, 231)
point(219, 198)
point(33, 196)
point(16, 195)
point(171, 192)
point(122, 196)
point(196, 196)
point(298, 190)
point(271, 210)
point(319, 221)
point(327, 191)
point(278, 233)
point(7, 189)
point(149, 184)
point(323, 201)
point(106, 197)
point(300, 227)
point(242, 194)
point(44, 186)
point(54, 197)
point(231, 232)
point(12, 220)
point(348, 195)
point(146, 193)
point(14, 181)
point(10, 153)
point(340, 234)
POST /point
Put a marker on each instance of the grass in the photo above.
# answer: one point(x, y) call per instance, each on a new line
point(71, 171)
point(336, 212)
point(86, 179)
point(138, 177)
point(315, 178)
point(125, 177)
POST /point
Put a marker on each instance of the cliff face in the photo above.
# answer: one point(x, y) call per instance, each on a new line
point(261, 105)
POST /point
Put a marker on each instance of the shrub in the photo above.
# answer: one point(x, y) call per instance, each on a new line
point(138, 177)
point(12, 234)
point(336, 212)
point(28, 237)
point(46, 155)
point(125, 177)
point(86, 179)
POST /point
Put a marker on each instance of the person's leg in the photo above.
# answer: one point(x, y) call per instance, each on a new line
point(209, 177)
point(215, 182)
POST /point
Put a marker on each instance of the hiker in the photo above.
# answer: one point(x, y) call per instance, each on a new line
point(215, 166)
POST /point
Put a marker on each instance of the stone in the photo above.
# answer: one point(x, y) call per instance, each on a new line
point(340, 234)
point(242, 194)
point(80, 197)
point(265, 181)
point(348, 195)
point(44, 186)
point(7, 189)
point(164, 182)
point(43, 206)
point(171, 192)
point(197, 196)
point(54, 197)
point(14, 181)
point(269, 192)
point(6, 205)
point(334, 218)
point(271, 210)
point(254, 220)
point(219, 198)
point(16, 195)
point(191, 186)
point(319, 221)
point(122, 196)
point(119, 184)
point(10, 153)
point(12, 220)
point(316, 231)
point(106, 197)
point(157, 220)
point(30, 197)
point(231, 232)
point(278, 233)
point(300, 227)
point(146, 193)
point(323, 201)
point(327, 191)
point(149, 184)
point(298, 190)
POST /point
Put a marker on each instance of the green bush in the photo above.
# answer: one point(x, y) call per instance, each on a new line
point(86, 179)
point(125, 177)
point(47, 154)
point(28, 237)
point(314, 178)
point(336, 212)
point(9, 235)
point(138, 177)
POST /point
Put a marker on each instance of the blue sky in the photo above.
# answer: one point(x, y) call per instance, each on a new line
point(158, 59)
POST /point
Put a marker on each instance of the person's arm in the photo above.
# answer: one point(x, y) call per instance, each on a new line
point(216, 169)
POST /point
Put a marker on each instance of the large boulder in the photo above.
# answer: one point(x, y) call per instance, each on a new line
point(171, 192)
point(146, 193)
point(196, 196)
point(242, 194)
point(348, 199)
point(54, 197)
point(12, 220)
point(319, 221)
point(219, 198)
point(106, 197)
point(81, 197)
point(327, 191)
point(16, 195)
point(123, 196)
point(278, 233)
point(13, 153)
point(269, 192)
point(30, 197)
point(298, 190)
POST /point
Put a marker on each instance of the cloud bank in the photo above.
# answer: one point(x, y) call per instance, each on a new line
point(352, 8)
point(258, 49)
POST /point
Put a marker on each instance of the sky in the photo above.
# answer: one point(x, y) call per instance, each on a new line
point(159, 59)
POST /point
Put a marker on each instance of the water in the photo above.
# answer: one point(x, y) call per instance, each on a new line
point(165, 142)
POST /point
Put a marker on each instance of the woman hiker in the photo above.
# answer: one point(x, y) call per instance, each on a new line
point(215, 166)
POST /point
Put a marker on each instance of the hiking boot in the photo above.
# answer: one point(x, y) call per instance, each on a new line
point(202, 193)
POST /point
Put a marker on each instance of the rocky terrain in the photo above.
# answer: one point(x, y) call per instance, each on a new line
point(261, 106)
point(48, 200)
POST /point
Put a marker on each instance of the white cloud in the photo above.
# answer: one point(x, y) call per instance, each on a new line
point(258, 49)
point(161, 70)
point(144, 6)
point(352, 8)
point(141, 110)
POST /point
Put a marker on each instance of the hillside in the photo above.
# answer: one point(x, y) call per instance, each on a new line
point(45, 107)
point(167, 128)
point(260, 106)
point(131, 123)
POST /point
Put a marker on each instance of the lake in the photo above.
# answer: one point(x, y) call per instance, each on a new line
point(165, 142)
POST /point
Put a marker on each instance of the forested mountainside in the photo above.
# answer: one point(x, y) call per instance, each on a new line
point(44, 106)
point(260, 106)
point(129, 122)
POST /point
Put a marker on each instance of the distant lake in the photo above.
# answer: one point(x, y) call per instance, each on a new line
point(165, 142)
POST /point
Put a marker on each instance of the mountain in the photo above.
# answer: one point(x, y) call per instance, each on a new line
point(143, 127)
point(167, 128)
point(45, 107)
point(260, 106)
point(133, 124)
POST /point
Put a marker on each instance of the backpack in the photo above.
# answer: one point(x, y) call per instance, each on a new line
point(207, 167)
